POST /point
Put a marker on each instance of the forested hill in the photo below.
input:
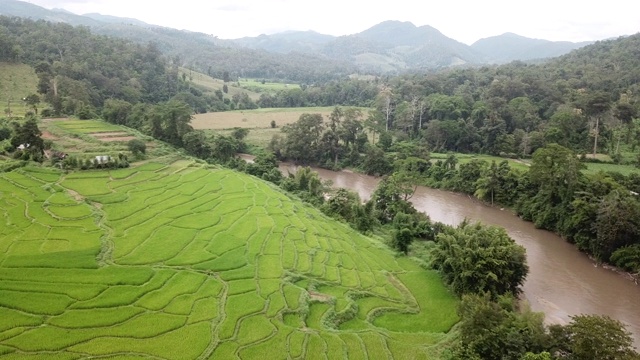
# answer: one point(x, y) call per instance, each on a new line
point(78, 71)
point(198, 51)
point(518, 107)
point(390, 47)
point(509, 47)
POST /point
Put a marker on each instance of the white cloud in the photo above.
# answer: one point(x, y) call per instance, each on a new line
point(462, 20)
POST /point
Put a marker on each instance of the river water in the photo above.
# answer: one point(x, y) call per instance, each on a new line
point(562, 281)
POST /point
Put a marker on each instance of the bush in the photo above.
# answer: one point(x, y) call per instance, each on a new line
point(137, 147)
point(498, 265)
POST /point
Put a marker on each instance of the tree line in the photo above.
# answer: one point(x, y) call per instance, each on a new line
point(598, 212)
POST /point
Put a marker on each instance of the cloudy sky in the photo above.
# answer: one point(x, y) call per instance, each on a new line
point(463, 20)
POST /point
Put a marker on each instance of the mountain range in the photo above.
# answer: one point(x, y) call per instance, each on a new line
point(389, 47)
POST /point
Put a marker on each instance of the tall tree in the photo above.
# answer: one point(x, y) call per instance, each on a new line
point(303, 138)
point(478, 259)
point(596, 105)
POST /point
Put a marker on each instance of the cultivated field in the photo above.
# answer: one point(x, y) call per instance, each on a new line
point(177, 261)
point(88, 138)
point(260, 118)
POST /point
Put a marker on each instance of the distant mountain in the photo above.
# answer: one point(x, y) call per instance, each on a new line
point(108, 19)
point(286, 42)
point(35, 12)
point(198, 51)
point(509, 47)
point(391, 46)
point(407, 46)
point(388, 47)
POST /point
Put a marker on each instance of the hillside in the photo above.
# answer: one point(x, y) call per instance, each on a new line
point(286, 42)
point(175, 259)
point(509, 47)
point(394, 46)
point(306, 56)
point(16, 83)
point(199, 51)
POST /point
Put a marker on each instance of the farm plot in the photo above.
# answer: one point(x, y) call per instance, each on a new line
point(180, 262)
point(260, 118)
point(88, 126)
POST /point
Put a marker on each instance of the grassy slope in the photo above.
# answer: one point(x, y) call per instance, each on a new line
point(16, 82)
point(176, 260)
point(258, 86)
point(210, 84)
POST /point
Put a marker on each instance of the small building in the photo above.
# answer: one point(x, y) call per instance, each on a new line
point(102, 159)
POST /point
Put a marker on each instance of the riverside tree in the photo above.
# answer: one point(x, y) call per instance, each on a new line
point(477, 259)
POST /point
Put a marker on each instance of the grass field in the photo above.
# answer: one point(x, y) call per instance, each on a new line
point(172, 260)
point(209, 84)
point(16, 82)
point(465, 158)
point(254, 119)
point(593, 168)
point(257, 85)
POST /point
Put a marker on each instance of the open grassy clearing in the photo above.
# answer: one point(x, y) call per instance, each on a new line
point(174, 261)
point(210, 85)
point(465, 158)
point(17, 81)
point(258, 86)
point(593, 168)
point(259, 118)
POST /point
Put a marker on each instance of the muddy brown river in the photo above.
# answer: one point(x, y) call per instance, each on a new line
point(562, 281)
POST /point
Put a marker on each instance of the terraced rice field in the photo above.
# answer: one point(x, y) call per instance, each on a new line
point(181, 262)
point(88, 126)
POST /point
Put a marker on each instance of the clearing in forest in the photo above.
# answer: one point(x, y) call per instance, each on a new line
point(259, 118)
point(179, 261)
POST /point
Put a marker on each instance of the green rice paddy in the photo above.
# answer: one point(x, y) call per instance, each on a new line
point(176, 261)
point(88, 126)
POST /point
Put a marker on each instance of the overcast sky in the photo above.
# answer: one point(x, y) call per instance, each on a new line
point(463, 20)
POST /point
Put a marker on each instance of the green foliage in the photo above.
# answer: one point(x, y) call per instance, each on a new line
point(541, 356)
point(627, 258)
point(265, 166)
point(477, 259)
point(137, 147)
point(401, 240)
point(392, 197)
point(594, 337)
point(617, 224)
point(376, 162)
point(497, 330)
point(28, 135)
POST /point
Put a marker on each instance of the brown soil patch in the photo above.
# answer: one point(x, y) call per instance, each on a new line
point(249, 119)
point(76, 195)
point(121, 138)
point(319, 297)
point(49, 136)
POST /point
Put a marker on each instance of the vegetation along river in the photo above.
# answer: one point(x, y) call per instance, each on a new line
point(562, 281)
